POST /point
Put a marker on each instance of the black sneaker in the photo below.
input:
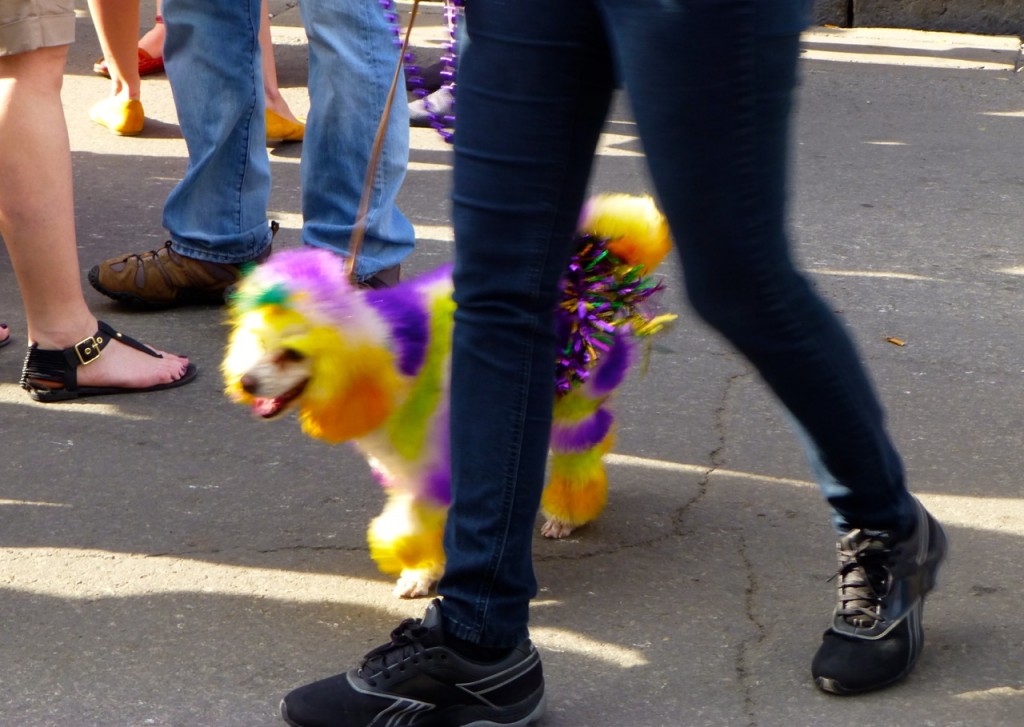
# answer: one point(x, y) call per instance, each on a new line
point(877, 632)
point(417, 680)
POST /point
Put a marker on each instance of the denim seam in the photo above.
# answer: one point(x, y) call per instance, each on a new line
point(246, 136)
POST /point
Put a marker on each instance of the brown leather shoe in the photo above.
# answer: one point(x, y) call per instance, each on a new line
point(386, 278)
point(164, 279)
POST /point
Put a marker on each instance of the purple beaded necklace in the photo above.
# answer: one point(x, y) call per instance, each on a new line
point(414, 73)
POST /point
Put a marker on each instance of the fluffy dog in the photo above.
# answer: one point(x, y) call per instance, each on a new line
point(372, 367)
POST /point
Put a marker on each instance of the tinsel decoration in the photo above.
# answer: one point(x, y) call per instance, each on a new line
point(601, 294)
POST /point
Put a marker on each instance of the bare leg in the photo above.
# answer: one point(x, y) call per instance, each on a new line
point(275, 101)
point(117, 25)
point(153, 41)
point(38, 225)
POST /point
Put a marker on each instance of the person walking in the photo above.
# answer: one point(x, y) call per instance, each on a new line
point(711, 85)
point(217, 214)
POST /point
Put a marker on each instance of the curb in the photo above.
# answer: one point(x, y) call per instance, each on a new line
point(985, 17)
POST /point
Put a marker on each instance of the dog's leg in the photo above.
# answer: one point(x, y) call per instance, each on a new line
point(406, 540)
point(577, 491)
point(417, 582)
point(581, 433)
point(578, 488)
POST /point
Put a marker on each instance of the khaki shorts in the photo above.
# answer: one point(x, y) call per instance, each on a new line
point(30, 24)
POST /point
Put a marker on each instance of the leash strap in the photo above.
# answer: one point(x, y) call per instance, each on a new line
point(359, 230)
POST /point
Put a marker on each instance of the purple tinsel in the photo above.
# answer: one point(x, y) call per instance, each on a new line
point(600, 294)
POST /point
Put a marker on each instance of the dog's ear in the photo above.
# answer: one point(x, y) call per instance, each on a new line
point(362, 407)
point(352, 390)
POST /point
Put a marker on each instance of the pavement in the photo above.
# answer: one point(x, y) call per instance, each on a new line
point(167, 560)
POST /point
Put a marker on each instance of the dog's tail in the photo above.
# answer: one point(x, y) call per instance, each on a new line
point(609, 283)
point(634, 229)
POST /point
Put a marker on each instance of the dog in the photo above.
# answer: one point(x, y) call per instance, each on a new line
point(371, 367)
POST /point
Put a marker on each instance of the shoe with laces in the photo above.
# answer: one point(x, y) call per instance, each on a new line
point(416, 680)
point(877, 632)
point(164, 279)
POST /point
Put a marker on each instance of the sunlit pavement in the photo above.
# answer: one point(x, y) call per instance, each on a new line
point(167, 560)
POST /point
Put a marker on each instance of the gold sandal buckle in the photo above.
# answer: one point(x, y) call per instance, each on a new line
point(89, 349)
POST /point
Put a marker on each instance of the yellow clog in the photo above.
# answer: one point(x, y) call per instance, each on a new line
point(281, 129)
point(123, 117)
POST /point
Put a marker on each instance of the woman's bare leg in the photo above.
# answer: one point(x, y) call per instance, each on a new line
point(117, 26)
point(38, 225)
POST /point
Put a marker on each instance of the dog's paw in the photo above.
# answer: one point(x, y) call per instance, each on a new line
point(414, 584)
point(555, 529)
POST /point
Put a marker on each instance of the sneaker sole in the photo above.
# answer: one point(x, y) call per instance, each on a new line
point(535, 715)
point(831, 686)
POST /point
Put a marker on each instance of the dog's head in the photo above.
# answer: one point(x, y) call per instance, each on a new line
point(304, 338)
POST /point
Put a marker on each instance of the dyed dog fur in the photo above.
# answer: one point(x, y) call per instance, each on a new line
point(372, 367)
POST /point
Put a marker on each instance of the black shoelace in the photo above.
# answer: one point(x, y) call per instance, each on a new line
point(406, 641)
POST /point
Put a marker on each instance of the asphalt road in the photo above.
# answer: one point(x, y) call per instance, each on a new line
point(167, 560)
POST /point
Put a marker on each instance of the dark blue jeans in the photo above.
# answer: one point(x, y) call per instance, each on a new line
point(711, 84)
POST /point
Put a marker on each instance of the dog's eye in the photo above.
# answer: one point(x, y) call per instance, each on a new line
point(289, 355)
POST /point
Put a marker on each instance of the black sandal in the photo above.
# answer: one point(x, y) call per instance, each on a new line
point(60, 367)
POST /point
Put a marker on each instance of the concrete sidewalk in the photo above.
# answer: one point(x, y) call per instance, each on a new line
point(165, 560)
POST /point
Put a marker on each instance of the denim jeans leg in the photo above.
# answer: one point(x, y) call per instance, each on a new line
point(534, 86)
point(712, 85)
point(218, 211)
point(352, 60)
point(714, 123)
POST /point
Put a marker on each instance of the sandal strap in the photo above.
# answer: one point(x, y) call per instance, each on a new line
point(89, 349)
point(61, 365)
point(43, 364)
point(126, 340)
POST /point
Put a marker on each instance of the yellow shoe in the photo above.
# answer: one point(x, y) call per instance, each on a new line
point(281, 129)
point(124, 118)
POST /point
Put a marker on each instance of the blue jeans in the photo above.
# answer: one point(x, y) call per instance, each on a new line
point(711, 84)
point(218, 211)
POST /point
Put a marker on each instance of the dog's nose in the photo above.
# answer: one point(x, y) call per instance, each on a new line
point(250, 384)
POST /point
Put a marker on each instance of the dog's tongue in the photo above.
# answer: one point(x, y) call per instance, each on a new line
point(266, 407)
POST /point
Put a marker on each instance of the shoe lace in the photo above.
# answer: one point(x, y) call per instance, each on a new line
point(154, 254)
point(406, 641)
point(863, 577)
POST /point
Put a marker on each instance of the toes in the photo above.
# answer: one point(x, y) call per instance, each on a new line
point(556, 529)
point(413, 586)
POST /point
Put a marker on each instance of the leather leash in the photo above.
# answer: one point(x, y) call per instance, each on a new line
point(359, 230)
